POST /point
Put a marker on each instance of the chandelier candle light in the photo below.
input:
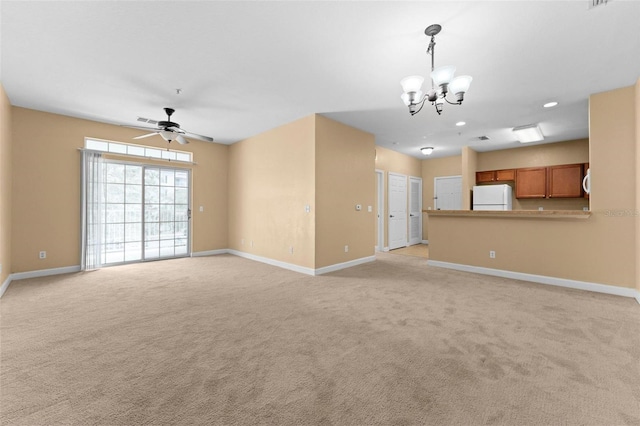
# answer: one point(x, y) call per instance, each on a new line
point(442, 82)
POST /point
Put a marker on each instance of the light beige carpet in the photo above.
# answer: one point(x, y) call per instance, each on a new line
point(225, 340)
point(419, 250)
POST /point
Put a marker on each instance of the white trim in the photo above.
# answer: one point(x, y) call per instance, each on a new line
point(419, 238)
point(425, 242)
point(638, 296)
point(344, 265)
point(209, 252)
point(380, 208)
point(302, 269)
point(45, 272)
point(278, 263)
point(540, 279)
point(5, 285)
point(386, 249)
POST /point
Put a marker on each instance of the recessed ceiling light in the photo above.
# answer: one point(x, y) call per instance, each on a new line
point(550, 104)
point(460, 123)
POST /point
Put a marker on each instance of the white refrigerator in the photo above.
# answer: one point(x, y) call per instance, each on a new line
point(492, 197)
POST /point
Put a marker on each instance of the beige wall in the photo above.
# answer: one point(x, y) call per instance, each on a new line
point(601, 249)
point(271, 180)
point(431, 169)
point(469, 167)
point(395, 162)
point(46, 187)
point(5, 184)
point(313, 161)
point(637, 212)
point(345, 163)
point(550, 154)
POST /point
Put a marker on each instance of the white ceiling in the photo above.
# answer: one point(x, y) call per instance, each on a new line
point(246, 67)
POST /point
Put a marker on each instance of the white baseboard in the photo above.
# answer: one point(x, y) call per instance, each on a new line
point(303, 269)
point(36, 274)
point(45, 272)
point(540, 279)
point(5, 285)
point(638, 296)
point(344, 265)
point(425, 241)
point(209, 253)
point(385, 249)
point(278, 263)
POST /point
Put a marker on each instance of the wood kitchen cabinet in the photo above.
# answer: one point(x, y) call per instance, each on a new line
point(531, 182)
point(508, 175)
point(563, 181)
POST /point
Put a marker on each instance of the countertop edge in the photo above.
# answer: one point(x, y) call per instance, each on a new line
point(524, 214)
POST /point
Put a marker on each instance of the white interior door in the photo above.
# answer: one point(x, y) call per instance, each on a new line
point(397, 210)
point(448, 193)
point(415, 210)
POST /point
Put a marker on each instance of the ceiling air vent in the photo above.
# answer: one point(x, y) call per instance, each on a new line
point(594, 3)
point(483, 138)
point(147, 120)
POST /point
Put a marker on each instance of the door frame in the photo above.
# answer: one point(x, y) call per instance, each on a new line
point(419, 240)
point(380, 211)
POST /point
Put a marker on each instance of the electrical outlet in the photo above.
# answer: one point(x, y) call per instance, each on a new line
point(346, 249)
point(201, 208)
point(251, 243)
point(369, 209)
point(492, 254)
point(43, 255)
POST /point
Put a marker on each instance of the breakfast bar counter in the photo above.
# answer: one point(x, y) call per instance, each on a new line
point(512, 214)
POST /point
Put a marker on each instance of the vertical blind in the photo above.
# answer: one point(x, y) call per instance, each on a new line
point(93, 197)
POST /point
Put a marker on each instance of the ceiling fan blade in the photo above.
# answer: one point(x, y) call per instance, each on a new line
point(152, 129)
point(146, 136)
point(197, 136)
point(181, 140)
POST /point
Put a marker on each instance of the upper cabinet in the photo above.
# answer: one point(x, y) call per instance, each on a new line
point(496, 176)
point(563, 181)
point(531, 182)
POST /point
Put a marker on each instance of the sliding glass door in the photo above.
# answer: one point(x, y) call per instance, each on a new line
point(145, 213)
point(166, 212)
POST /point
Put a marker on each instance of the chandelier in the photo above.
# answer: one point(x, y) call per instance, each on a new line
point(442, 82)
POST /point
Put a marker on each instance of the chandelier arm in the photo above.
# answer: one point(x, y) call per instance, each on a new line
point(424, 98)
point(451, 103)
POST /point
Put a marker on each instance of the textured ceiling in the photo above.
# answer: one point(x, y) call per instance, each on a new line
point(246, 67)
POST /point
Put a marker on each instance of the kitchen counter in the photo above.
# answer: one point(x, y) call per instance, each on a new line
point(513, 214)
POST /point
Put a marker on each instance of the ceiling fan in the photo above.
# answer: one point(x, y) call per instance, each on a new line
point(169, 130)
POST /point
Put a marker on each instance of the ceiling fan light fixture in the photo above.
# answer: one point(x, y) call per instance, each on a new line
point(167, 135)
point(529, 133)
